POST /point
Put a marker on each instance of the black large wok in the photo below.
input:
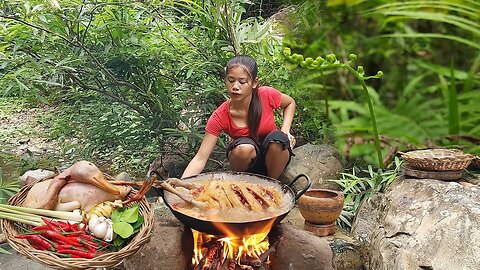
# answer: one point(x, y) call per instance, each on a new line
point(236, 228)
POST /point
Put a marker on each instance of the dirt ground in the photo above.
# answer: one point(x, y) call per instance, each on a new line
point(21, 133)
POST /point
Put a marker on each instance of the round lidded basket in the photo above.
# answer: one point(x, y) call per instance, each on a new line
point(11, 229)
point(476, 162)
point(438, 159)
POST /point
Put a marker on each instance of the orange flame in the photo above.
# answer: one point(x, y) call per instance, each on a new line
point(234, 247)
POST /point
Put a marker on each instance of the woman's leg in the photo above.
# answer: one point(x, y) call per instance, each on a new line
point(242, 154)
point(277, 153)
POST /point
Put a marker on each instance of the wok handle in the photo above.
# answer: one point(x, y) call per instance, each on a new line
point(304, 189)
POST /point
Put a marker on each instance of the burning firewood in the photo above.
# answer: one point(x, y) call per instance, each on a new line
point(210, 260)
point(251, 262)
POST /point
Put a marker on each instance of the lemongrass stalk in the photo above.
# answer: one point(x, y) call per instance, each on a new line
point(13, 211)
point(25, 217)
point(71, 216)
point(17, 218)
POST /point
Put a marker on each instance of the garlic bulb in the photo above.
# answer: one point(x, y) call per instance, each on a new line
point(100, 231)
point(92, 221)
point(101, 227)
point(110, 234)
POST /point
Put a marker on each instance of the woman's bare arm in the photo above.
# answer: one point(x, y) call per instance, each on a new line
point(197, 164)
point(288, 105)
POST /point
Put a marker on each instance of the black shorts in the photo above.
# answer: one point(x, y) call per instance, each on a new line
point(258, 165)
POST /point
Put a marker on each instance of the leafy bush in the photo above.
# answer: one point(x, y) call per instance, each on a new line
point(359, 186)
point(7, 188)
point(429, 54)
point(144, 75)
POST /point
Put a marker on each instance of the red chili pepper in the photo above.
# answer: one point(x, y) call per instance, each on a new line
point(59, 242)
point(90, 243)
point(33, 243)
point(58, 236)
point(176, 205)
point(68, 234)
point(70, 247)
point(76, 227)
point(89, 247)
point(86, 236)
point(66, 255)
point(82, 254)
point(40, 242)
point(66, 225)
point(40, 228)
point(55, 225)
point(48, 226)
point(98, 241)
point(103, 243)
point(81, 229)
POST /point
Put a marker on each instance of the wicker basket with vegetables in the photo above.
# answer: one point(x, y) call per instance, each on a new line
point(98, 234)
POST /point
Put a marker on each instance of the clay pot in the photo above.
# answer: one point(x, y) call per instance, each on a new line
point(321, 206)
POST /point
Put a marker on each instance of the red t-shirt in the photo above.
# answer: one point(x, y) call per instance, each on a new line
point(221, 120)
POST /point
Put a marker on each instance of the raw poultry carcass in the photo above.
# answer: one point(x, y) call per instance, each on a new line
point(82, 185)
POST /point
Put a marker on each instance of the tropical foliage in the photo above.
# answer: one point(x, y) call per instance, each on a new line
point(429, 54)
point(360, 185)
point(7, 188)
point(142, 75)
point(131, 80)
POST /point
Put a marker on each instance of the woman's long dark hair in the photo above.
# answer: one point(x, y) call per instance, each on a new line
point(255, 109)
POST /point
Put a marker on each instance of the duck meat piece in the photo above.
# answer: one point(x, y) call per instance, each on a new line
point(254, 202)
point(214, 192)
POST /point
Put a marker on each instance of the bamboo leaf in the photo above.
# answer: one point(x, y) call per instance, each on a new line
point(434, 35)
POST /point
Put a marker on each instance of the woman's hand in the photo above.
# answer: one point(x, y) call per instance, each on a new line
point(292, 139)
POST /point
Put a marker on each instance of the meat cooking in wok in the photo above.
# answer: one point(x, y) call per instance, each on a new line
point(230, 200)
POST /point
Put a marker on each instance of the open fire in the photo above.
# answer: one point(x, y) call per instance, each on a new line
point(232, 252)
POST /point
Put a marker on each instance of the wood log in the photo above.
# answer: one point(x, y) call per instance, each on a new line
point(211, 256)
point(254, 262)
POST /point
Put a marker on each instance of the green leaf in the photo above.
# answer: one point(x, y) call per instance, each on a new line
point(3, 251)
point(130, 215)
point(116, 215)
point(118, 241)
point(123, 229)
point(138, 223)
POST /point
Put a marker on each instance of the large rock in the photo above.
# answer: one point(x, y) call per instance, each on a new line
point(320, 162)
point(348, 252)
point(170, 247)
point(17, 261)
point(38, 174)
point(422, 224)
point(300, 250)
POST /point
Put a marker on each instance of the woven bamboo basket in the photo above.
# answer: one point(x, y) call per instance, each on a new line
point(107, 260)
point(476, 162)
point(438, 159)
